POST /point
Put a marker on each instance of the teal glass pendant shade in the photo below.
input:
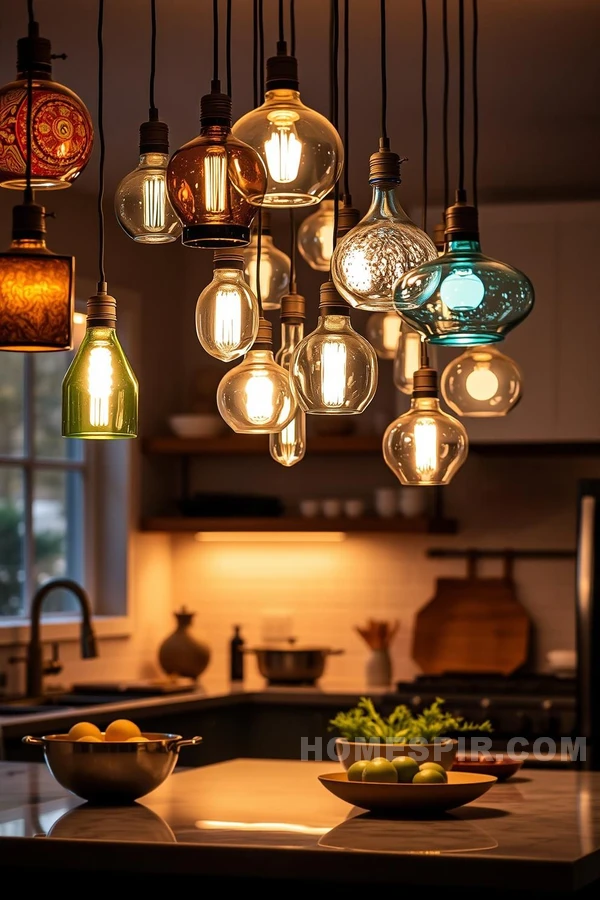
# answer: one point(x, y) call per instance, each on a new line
point(464, 298)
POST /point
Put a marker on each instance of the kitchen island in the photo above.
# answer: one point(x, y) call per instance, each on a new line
point(272, 822)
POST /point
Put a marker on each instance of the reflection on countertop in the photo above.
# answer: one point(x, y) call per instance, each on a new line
point(544, 826)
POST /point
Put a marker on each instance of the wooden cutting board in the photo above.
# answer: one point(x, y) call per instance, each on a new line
point(472, 625)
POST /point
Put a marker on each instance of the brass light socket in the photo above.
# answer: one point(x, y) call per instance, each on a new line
point(264, 338)
point(425, 382)
point(384, 166)
point(282, 70)
point(462, 220)
point(228, 259)
point(215, 108)
point(330, 303)
point(293, 309)
point(102, 308)
point(154, 137)
point(348, 218)
point(28, 222)
point(34, 53)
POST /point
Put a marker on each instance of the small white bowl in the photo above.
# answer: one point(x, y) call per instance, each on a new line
point(197, 425)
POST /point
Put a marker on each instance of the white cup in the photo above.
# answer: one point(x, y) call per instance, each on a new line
point(386, 504)
point(309, 508)
point(354, 508)
point(412, 502)
point(332, 508)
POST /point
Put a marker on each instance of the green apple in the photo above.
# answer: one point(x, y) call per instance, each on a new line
point(355, 772)
point(406, 768)
point(379, 769)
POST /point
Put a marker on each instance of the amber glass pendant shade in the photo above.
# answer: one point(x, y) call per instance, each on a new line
point(36, 288)
point(61, 128)
point(210, 180)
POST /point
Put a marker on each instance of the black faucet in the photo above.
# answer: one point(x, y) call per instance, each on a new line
point(35, 662)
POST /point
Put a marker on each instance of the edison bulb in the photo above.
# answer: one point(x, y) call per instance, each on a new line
point(368, 261)
point(301, 149)
point(425, 446)
point(482, 382)
point(274, 267)
point(315, 237)
point(100, 391)
point(407, 360)
point(334, 369)
point(288, 446)
point(227, 310)
point(383, 333)
point(256, 396)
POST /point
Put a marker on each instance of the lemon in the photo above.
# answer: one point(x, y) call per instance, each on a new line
point(137, 740)
point(122, 730)
point(429, 776)
point(355, 772)
point(379, 769)
point(406, 768)
point(89, 739)
point(433, 765)
point(84, 729)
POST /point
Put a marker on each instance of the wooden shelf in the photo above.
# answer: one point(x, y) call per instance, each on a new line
point(246, 444)
point(363, 524)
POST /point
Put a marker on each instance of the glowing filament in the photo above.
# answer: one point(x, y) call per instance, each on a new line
point(283, 151)
point(215, 182)
point(462, 290)
point(228, 320)
point(259, 398)
point(333, 373)
point(481, 383)
point(153, 202)
point(100, 373)
point(426, 447)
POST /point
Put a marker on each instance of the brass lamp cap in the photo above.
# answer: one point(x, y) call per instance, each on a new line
point(462, 220)
point(293, 309)
point(282, 70)
point(425, 382)
point(264, 338)
point(102, 308)
point(331, 304)
point(228, 259)
point(384, 166)
point(28, 222)
point(34, 53)
point(348, 217)
point(215, 108)
point(154, 136)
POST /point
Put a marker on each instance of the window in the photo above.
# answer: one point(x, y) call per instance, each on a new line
point(43, 480)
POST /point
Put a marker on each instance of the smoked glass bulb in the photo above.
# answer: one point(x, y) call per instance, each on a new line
point(142, 205)
point(407, 360)
point(315, 237)
point(383, 333)
point(215, 181)
point(464, 298)
point(61, 128)
point(482, 382)
point(368, 261)
point(100, 391)
point(274, 267)
point(301, 149)
point(288, 446)
point(227, 310)
point(425, 446)
point(334, 369)
point(256, 396)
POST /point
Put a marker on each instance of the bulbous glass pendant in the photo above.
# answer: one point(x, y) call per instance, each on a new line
point(482, 383)
point(227, 311)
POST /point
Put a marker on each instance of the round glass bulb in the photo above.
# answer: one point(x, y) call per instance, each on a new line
point(482, 383)
point(256, 396)
point(407, 360)
point(301, 149)
point(315, 237)
point(425, 446)
point(142, 205)
point(368, 261)
point(288, 446)
point(462, 290)
point(227, 315)
point(383, 333)
point(274, 270)
point(334, 369)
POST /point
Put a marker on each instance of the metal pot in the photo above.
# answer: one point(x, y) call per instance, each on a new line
point(291, 664)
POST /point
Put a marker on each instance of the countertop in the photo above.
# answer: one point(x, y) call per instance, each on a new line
point(273, 820)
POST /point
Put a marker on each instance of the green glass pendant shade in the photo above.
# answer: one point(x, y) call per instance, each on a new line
point(100, 391)
point(464, 298)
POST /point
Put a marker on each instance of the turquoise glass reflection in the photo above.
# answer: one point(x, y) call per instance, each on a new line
point(463, 297)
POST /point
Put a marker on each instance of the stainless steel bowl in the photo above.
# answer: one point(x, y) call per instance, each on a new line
point(290, 664)
point(111, 772)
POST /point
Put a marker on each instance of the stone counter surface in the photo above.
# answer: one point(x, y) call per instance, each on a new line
point(273, 820)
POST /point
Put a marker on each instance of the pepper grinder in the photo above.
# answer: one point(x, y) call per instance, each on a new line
point(236, 655)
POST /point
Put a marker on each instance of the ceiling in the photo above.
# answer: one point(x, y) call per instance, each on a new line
point(539, 82)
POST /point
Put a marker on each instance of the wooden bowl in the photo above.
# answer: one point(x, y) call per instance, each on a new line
point(444, 752)
point(460, 789)
point(501, 768)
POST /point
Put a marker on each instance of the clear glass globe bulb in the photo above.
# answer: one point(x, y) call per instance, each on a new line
point(315, 237)
point(142, 205)
point(288, 446)
point(227, 311)
point(334, 369)
point(407, 360)
point(256, 396)
point(274, 270)
point(482, 383)
point(462, 290)
point(383, 333)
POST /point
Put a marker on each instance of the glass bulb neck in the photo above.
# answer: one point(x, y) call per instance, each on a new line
point(291, 335)
point(153, 160)
point(462, 245)
point(262, 355)
point(334, 321)
point(282, 96)
point(425, 404)
point(384, 203)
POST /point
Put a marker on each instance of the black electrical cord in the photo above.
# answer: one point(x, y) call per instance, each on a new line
point(383, 47)
point(281, 37)
point(293, 27)
point(228, 47)
point(216, 41)
point(475, 79)
point(153, 109)
point(335, 46)
point(346, 77)
point(258, 255)
point(446, 103)
point(261, 47)
point(255, 85)
point(293, 289)
point(101, 270)
point(461, 96)
point(424, 113)
point(29, 119)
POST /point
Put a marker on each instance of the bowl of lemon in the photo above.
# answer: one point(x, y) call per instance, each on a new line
point(116, 766)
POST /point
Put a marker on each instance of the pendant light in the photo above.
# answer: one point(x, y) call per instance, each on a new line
point(407, 360)
point(274, 265)
point(301, 149)
point(61, 128)
point(227, 310)
point(142, 205)
point(383, 333)
point(369, 260)
point(482, 383)
point(288, 446)
point(36, 285)
point(214, 180)
point(464, 298)
point(100, 391)
point(315, 237)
